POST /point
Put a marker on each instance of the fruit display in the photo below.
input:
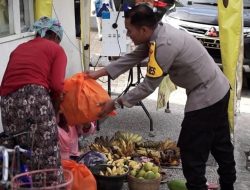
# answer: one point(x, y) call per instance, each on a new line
point(149, 144)
point(128, 137)
point(125, 145)
point(150, 153)
point(105, 141)
point(114, 171)
point(99, 148)
point(119, 147)
point(147, 177)
point(162, 153)
point(170, 154)
point(124, 162)
point(122, 148)
point(148, 171)
point(109, 177)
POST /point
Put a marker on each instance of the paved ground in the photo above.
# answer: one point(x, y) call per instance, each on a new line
point(168, 125)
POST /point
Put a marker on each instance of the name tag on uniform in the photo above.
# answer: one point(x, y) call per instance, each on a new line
point(153, 68)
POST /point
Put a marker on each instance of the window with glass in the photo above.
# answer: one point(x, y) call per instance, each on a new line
point(25, 15)
point(4, 18)
point(13, 11)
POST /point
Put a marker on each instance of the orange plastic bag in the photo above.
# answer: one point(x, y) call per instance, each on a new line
point(82, 176)
point(82, 96)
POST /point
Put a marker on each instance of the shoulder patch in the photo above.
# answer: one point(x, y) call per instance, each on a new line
point(153, 68)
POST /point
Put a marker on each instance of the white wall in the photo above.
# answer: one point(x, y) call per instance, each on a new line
point(64, 9)
point(6, 48)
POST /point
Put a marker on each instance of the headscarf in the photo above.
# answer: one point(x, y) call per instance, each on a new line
point(44, 24)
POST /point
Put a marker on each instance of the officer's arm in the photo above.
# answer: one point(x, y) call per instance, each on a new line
point(141, 91)
point(127, 61)
point(162, 58)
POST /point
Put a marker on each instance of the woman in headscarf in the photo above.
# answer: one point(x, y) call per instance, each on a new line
point(31, 87)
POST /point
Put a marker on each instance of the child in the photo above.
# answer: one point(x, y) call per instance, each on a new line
point(68, 136)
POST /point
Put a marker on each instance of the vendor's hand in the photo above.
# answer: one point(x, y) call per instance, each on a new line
point(83, 128)
point(96, 74)
point(107, 107)
point(57, 99)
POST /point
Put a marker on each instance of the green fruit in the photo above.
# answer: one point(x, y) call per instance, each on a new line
point(157, 175)
point(141, 173)
point(155, 169)
point(149, 175)
point(177, 185)
point(140, 178)
point(148, 166)
point(133, 172)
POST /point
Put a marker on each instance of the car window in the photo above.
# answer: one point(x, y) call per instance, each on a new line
point(214, 2)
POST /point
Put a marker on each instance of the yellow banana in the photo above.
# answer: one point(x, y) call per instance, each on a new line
point(110, 162)
point(116, 156)
point(121, 160)
point(113, 169)
point(109, 156)
point(109, 171)
point(123, 143)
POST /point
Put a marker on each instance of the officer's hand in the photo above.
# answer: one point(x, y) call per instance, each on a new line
point(107, 107)
point(91, 75)
point(96, 74)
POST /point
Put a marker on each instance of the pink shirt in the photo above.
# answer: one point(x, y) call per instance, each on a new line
point(68, 142)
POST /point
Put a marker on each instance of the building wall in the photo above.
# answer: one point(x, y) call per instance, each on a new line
point(64, 11)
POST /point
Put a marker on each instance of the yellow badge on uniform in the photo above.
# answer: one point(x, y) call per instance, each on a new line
point(153, 70)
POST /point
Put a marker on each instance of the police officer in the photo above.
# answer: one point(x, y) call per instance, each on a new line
point(205, 128)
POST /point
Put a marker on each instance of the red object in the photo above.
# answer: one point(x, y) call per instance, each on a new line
point(82, 176)
point(213, 186)
point(38, 61)
point(81, 102)
point(160, 4)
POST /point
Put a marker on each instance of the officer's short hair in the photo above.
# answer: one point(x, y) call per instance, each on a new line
point(142, 15)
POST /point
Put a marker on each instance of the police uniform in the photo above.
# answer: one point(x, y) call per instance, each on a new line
point(205, 126)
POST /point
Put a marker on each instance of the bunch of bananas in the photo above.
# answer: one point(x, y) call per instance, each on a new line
point(169, 158)
point(120, 162)
point(149, 144)
point(110, 157)
point(170, 154)
point(134, 165)
point(99, 148)
point(128, 137)
point(114, 171)
point(105, 141)
point(150, 153)
point(125, 144)
point(126, 161)
point(117, 149)
point(168, 144)
point(122, 148)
